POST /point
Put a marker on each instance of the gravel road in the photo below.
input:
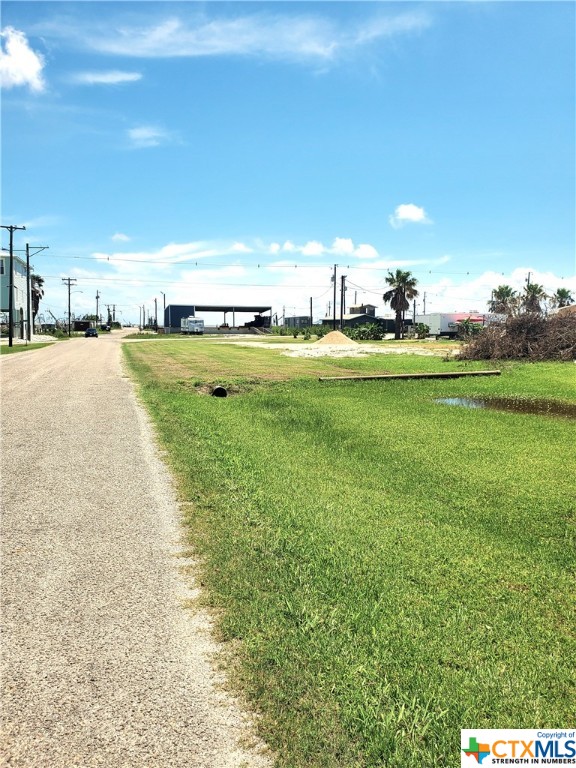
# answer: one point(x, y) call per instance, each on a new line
point(102, 664)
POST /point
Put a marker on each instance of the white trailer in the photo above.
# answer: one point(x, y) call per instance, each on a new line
point(446, 323)
point(192, 325)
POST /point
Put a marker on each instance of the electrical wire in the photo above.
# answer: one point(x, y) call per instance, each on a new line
point(138, 282)
point(193, 262)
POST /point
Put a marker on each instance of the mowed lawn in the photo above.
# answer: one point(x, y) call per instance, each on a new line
point(387, 570)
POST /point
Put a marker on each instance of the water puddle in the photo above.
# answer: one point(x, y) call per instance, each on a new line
point(539, 407)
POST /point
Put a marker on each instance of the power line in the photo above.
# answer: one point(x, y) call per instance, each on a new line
point(209, 264)
point(137, 281)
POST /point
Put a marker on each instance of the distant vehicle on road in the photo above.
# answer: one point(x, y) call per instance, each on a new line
point(91, 332)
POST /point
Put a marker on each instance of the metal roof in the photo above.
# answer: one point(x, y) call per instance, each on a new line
point(229, 308)
point(350, 317)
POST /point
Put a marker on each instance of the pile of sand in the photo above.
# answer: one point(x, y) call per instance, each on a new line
point(336, 337)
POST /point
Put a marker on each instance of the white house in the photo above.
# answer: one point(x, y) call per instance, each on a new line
point(20, 294)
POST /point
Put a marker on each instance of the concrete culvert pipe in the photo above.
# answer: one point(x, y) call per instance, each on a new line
point(219, 392)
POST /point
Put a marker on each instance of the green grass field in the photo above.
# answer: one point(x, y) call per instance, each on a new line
point(386, 570)
point(6, 350)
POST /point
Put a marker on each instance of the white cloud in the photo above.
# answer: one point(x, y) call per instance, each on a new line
point(19, 64)
point(312, 248)
point(366, 251)
point(279, 36)
point(170, 254)
point(241, 248)
point(389, 26)
point(215, 275)
point(121, 237)
point(147, 136)
point(112, 77)
point(343, 246)
point(408, 213)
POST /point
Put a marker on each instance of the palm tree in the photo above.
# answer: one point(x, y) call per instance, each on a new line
point(402, 288)
point(562, 297)
point(504, 300)
point(533, 295)
point(36, 293)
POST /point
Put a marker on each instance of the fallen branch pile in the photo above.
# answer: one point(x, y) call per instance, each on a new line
point(529, 336)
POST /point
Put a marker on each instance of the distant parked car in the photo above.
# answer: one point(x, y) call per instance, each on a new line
point(91, 332)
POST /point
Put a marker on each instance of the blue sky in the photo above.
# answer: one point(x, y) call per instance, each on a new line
point(234, 152)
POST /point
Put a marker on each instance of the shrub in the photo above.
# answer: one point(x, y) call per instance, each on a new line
point(468, 328)
point(57, 333)
point(421, 330)
point(369, 332)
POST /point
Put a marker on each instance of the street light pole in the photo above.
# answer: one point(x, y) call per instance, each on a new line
point(164, 311)
point(334, 304)
point(342, 299)
point(39, 248)
point(28, 292)
point(11, 228)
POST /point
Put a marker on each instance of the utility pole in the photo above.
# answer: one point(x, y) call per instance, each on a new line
point(70, 282)
point(342, 300)
point(97, 315)
point(113, 313)
point(424, 312)
point(156, 312)
point(29, 286)
point(334, 303)
point(11, 228)
point(311, 318)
